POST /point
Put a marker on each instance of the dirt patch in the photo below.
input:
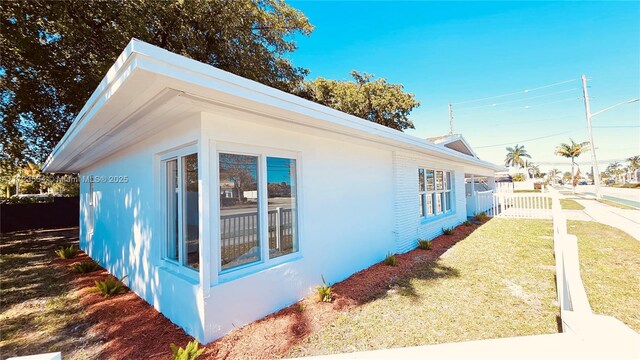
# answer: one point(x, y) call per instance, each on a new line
point(129, 327)
point(39, 311)
point(126, 327)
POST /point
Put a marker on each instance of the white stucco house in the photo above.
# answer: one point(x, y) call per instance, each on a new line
point(224, 200)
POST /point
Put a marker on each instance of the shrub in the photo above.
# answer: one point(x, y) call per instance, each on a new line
point(86, 266)
point(67, 252)
point(517, 177)
point(190, 352)
point(110, 286)
point(448, 231)
point(467, 223)
point(424, 244)
point(480, 216)
point(324, 291)
point(390, 260)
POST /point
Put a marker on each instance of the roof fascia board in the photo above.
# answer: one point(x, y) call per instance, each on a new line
point(209, 78)
point(122, 68)
point(138, 54)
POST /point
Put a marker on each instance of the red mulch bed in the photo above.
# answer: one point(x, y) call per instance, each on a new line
point(133, 329)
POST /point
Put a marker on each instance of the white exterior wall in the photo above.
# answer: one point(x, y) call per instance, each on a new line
point(358, 201)
point(124, 239)
point(409, 225)
point(345, 219)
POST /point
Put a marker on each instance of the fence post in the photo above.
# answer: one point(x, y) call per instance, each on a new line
point(278, 226)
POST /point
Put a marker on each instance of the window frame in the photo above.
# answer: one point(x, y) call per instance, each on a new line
point(92, 207)
point(178, 266)
point(448, 186)
point(265, 261)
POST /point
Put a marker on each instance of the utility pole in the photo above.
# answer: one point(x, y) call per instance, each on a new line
point(594, 161)
point(450, 119)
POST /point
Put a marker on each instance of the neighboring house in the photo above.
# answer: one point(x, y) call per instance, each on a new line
point(454, 142)
point(224, 200)
point(477, 186)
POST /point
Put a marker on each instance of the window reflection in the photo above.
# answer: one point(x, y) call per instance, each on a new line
point(239, 223)
point(281, 196)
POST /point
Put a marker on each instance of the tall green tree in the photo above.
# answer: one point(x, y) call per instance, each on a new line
point(571, 151)
point(634, 164)
point(374, 100)
point(54, 53)
point(615, 170)
point(516, 156)
point(553, 175)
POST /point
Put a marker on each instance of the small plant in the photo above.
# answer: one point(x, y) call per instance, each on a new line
point(390, 260)
point(67, 252)
point(86, 266)
point(110, 286)
point(424, 244)
point(517, 177)
point(324, 291)
point(467, 223)
point(300, 307)
point(480, 216)
point(448, 231)
point(190, 352)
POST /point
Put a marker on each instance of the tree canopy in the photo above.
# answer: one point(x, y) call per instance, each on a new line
point(54, 53)
point(373, 100)
point(516, 156)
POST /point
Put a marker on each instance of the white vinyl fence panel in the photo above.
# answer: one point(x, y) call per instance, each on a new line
point(521, 205)
point(504, 187)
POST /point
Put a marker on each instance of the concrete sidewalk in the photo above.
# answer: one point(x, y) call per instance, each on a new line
point(625, 220)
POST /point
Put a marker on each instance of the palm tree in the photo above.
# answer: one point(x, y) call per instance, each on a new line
point(615, 169)
point(634, 164)
point(572, 151)
point(516, 156)
point(553, 175)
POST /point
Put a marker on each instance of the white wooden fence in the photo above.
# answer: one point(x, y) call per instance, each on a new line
point(479, 202)
point(521, 205)
point(239, 232)
point(504, 187)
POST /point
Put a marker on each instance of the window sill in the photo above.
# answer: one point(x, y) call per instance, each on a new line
point(255, 268)
point(182, 272)
point(438, 218)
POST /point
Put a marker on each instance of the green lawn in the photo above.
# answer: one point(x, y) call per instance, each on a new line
point(610, 269)
point(499, 282)
point(568, 204)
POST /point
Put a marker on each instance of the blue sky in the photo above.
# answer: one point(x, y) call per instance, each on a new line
point(458, 51)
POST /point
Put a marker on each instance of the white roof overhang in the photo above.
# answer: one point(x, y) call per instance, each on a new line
point(149, 88)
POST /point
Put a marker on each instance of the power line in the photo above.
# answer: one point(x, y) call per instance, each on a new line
point(522, 141)
point(517, 100)
point(514, 93)
point(524, 107)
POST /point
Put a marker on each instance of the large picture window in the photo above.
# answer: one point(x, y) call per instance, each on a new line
point(246, 213)
point(181, 209)
point(435, 192)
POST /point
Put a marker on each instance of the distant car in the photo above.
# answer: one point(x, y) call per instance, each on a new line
point(583, 183)
point(506, 178)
